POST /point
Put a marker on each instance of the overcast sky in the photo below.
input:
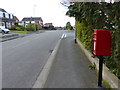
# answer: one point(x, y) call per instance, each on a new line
point(51, 11)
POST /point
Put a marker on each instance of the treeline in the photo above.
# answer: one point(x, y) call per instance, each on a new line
point(30, 27)
point(97, 15)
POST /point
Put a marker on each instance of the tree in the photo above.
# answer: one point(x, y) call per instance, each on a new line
point(98, 15)
point(68, 26)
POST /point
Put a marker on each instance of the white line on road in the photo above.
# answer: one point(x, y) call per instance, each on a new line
point(63, 35)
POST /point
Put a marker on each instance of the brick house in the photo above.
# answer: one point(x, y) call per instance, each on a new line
point(6, 19)
point(48, 24)
point(16, 19)
point(29, 20)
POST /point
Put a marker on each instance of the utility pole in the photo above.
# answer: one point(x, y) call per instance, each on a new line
point(34, 16)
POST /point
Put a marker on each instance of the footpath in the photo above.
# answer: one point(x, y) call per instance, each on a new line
point(11, 36)
point(70, 69)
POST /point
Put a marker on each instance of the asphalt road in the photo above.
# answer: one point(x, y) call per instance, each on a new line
point(23, 58)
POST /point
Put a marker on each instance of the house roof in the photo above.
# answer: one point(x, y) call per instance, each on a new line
point(2, 10)
point(32, 19)
point(50, 24)
point(17, 20)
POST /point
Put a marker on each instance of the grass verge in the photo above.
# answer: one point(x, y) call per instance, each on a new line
point(15, 31)
point(107, 85)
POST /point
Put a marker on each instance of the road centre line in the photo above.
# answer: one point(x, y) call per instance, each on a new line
point(63, 36)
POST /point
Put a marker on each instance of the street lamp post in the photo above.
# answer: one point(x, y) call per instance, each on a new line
point(34, 16)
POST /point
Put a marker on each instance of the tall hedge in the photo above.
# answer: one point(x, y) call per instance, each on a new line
point(90, 16)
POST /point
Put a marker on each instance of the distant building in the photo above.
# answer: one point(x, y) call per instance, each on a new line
point(48, 24)
point(16, 19)
point(6, 19)
point(29, 20)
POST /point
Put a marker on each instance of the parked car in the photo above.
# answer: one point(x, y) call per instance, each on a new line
point(4, 30)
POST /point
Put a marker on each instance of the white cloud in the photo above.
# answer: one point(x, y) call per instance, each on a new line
point(51, 11)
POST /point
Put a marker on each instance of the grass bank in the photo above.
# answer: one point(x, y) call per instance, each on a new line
point(15, 31)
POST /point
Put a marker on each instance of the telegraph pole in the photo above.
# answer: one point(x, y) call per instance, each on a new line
point(34, 16)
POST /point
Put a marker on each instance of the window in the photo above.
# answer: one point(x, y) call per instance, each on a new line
point(2, 24)
point(4, 15)
point(1, 14)
point(13, 24)
point(27, 21)
point(11, 16)
point(32, 21)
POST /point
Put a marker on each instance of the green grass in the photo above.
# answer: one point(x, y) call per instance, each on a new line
point(15, 31)
point(106, 84)
point(92, 66)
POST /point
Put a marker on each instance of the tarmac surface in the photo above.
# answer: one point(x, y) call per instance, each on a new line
point(23, 58)
point(70, 68)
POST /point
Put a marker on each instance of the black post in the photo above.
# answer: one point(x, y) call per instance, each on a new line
point(100, 71)
point(75, 32)
point(24, 25)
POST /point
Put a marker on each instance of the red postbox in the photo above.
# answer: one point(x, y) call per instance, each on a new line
point(102, 42)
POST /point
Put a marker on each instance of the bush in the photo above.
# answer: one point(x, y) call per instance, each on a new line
point(13, 28)
point(51, 28)
point(19, 28)
point(92, 15)
point(30, 27)
point(85, 35)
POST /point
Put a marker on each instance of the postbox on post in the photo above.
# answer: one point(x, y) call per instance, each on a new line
point(102, 42)
point(101, 46)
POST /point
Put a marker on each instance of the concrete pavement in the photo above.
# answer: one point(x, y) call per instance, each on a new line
point(10, 36)
point(70, 67)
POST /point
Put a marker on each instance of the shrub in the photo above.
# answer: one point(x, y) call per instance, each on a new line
point(51, 28)
point(30, 27)
point(91, 16)
point(19, 28)
point(13, 28)
point(85, 35)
